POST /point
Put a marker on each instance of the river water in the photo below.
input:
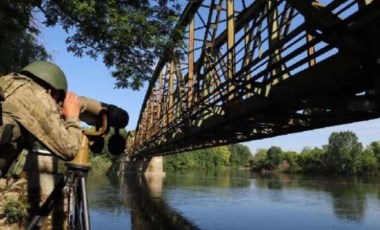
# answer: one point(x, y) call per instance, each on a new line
point(234, 199)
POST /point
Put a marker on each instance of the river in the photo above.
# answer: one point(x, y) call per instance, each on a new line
point(234, 199)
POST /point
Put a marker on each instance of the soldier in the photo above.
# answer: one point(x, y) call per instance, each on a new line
point(36, 103)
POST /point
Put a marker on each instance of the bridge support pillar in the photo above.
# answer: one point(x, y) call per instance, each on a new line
point(152, 165)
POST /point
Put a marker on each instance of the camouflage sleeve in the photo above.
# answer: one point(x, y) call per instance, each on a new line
point(62, 137)
point(37, 112)
point(10, 130)
point(72, 122)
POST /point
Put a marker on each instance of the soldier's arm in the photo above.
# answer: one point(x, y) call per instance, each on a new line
point(33, 108)
point(64, 138)
point(38, 113)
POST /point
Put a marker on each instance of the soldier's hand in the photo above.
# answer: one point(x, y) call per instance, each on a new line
point(71, 105)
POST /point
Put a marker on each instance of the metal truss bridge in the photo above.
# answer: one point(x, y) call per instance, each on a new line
point(253, 69)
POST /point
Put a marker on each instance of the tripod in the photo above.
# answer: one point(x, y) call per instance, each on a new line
point(78, 214)
point(75, 181)
point(78, 207)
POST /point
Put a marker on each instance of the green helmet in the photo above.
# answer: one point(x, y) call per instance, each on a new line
point(49, 73)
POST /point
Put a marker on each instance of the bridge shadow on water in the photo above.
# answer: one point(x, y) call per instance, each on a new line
point(140, 196)
point(149, 210)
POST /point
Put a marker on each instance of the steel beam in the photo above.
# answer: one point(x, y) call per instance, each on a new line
point(215, 95)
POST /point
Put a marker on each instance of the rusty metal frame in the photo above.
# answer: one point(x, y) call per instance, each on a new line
point(230, 83)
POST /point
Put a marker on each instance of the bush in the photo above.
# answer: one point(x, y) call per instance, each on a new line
point(16, 211)
point(100, 164)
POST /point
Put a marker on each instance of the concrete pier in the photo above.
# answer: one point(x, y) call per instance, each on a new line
point(153, 165)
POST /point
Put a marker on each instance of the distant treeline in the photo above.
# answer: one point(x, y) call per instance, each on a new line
point(343, 154)
point(233, 155)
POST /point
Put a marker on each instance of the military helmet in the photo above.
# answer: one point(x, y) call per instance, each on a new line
point(49, 73)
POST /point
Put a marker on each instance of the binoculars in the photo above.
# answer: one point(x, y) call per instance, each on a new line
point(93, 113)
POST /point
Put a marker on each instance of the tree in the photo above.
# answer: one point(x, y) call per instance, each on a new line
point(18, 44)
point(375, 147)
point(179, 161)
point(260, 160)
point(292, 157)
point(312, 160)
point(366, 162)
point(128, 35)
point(241, 156)
point(275, 156)
point(223, 155)
point(200, 159)
point(343, 150)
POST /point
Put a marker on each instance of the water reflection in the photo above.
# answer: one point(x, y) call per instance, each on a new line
point(348, 194)
point(209, 178)
point(234, 199)
point(141, 196)
point(349, 204)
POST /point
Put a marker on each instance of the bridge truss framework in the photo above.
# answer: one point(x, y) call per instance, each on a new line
point(261, 68)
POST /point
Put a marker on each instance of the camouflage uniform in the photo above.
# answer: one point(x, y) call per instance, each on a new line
point(28, 104)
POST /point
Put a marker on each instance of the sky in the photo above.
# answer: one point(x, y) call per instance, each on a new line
point(90, 78)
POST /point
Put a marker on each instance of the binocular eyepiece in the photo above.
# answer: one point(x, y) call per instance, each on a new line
point(92, 114)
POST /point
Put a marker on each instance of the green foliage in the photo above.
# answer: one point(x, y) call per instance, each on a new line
point(222, 156)
point(129, 35)
point(260, 160)
point(180, 161)
point(292, 157)
point(18, 44)
point(342, 152)
point(100, 164)
point(226, 155)
point(311, 160)
point(15, 211)
point(365, 162)
point(343, 155)
point(274, 157)
point(208, 158)
point(241, 156)
point(375, 147)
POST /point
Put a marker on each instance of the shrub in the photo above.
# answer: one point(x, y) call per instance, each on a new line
point(16, 211)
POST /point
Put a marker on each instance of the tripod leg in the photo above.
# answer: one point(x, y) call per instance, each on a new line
point(48, 205)
point(85, 214)
point(73, 207)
